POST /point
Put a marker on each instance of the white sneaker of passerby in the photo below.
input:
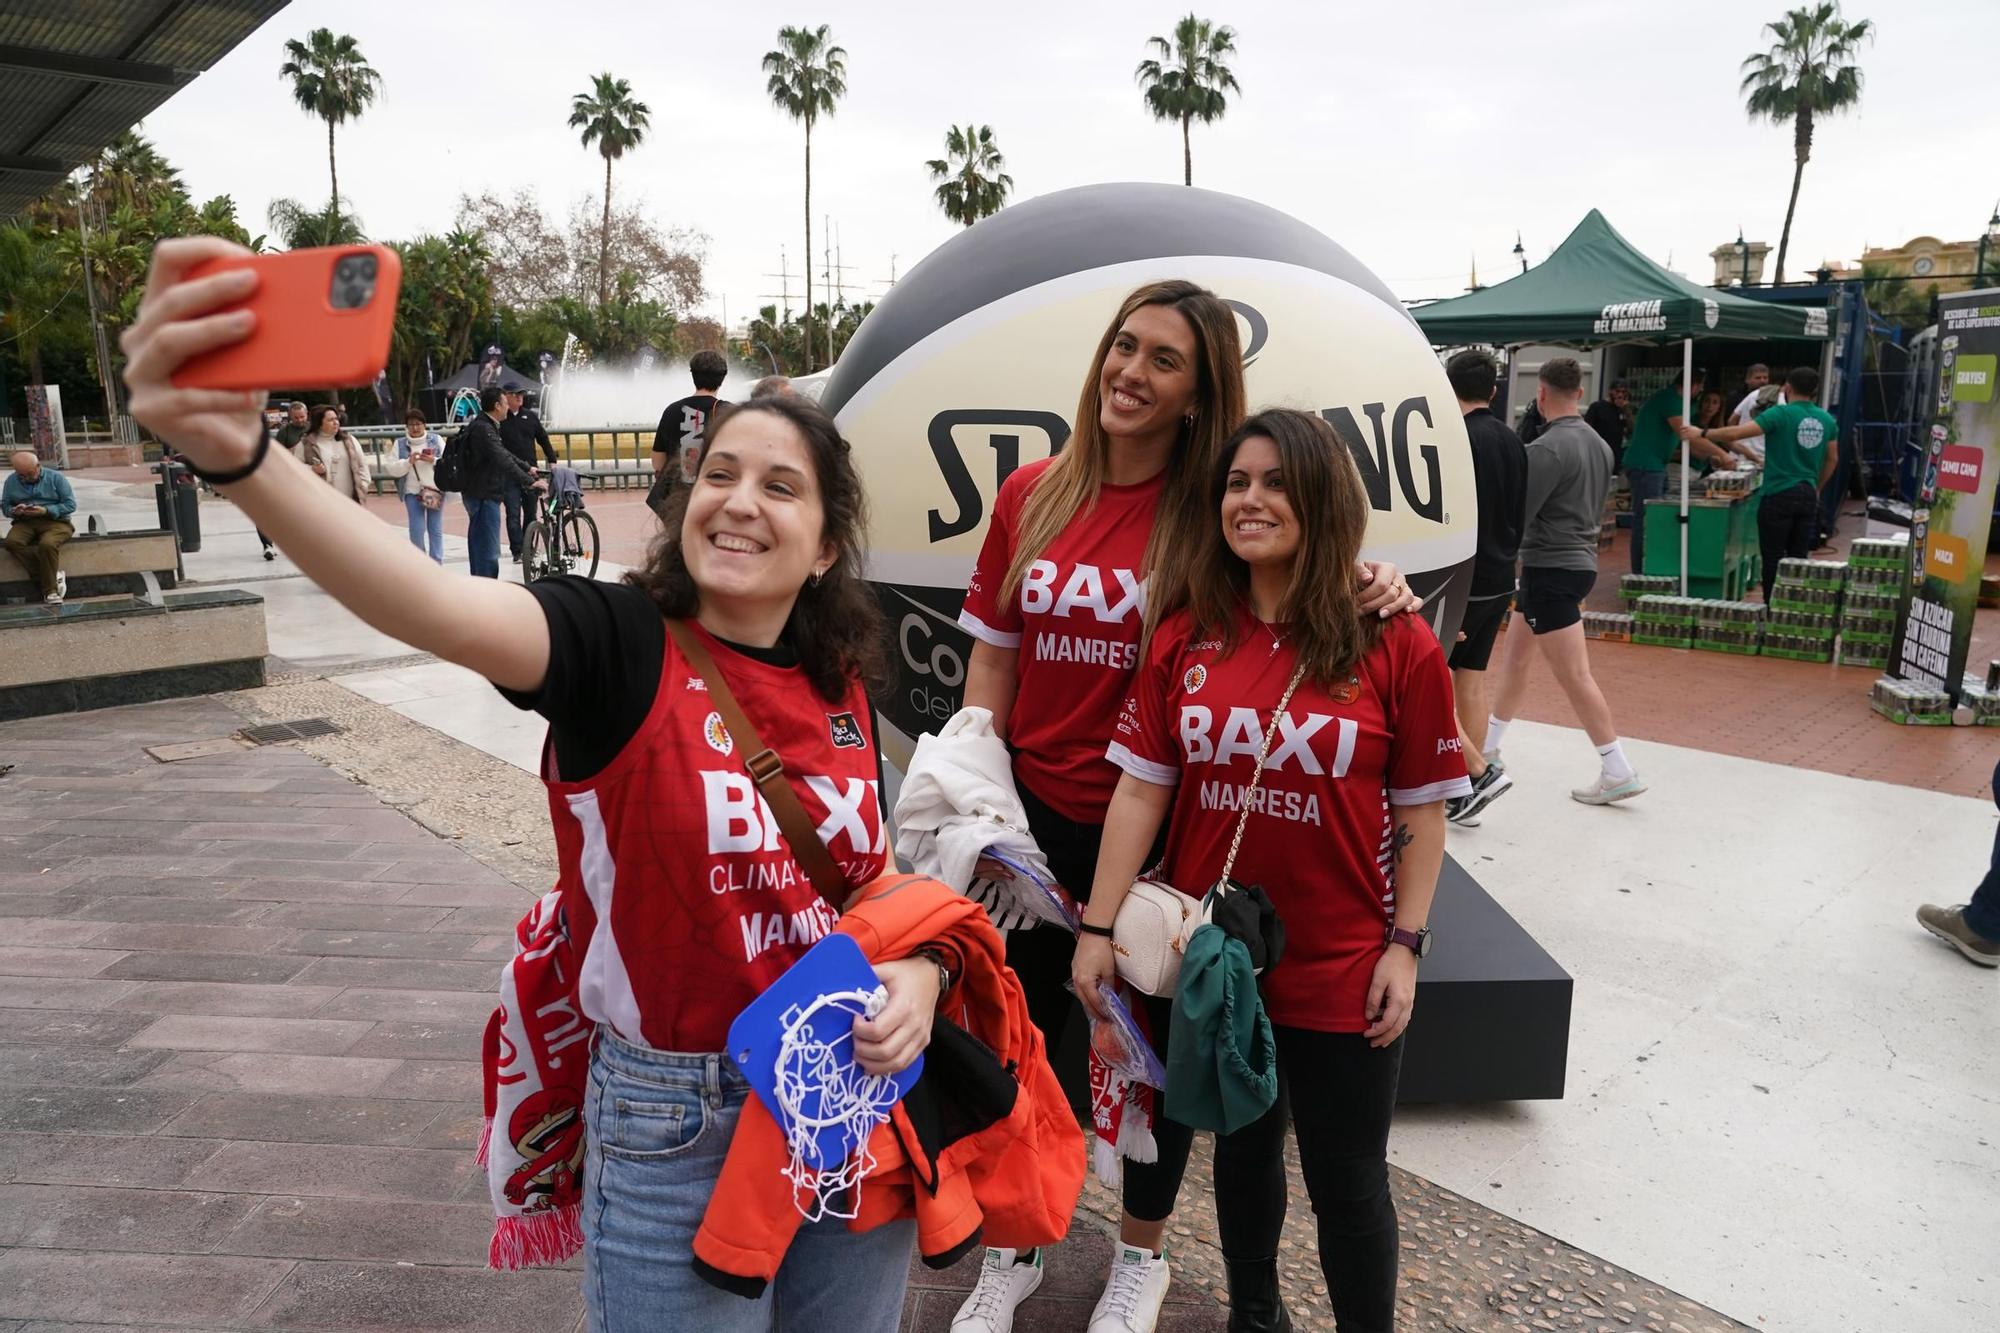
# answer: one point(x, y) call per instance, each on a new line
point(1608, 790)
point(1132, 1297)
point(62, 585)
point(1003, 1285)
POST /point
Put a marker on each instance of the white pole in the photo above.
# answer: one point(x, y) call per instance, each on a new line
point(1687, 414)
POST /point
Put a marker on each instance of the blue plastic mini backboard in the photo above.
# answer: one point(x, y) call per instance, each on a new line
point(833, 965)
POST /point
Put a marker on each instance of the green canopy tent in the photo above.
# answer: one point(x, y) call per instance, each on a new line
point(1596, 290)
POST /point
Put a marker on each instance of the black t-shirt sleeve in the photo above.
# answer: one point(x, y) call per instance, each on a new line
point(607, 644)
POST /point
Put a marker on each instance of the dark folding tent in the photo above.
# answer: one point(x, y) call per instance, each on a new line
point(437, 398)
point(1597, 289)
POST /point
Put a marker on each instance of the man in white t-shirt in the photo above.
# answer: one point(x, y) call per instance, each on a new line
point(1754, 379)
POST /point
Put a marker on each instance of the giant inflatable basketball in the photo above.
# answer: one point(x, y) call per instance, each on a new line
point(971, 367)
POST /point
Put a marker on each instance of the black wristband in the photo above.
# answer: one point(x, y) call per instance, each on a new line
point(1088, 929)
point(228, 478)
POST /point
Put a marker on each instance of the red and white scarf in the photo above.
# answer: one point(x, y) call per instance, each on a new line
point(1121, 1113)
point(537, 1065)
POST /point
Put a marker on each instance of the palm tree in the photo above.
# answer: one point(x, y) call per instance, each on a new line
point(1186, 79)
point(808, 77)
point(331, 79)
point(1808, 71)
point(131, 172)
point(299, 227)
point(971, 184)
point(611, 119)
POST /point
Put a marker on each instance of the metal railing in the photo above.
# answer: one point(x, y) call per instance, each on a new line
point(602, 456)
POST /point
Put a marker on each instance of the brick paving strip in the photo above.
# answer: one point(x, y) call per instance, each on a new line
point(240, 1004)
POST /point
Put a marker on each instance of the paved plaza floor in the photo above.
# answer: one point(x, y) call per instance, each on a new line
point(242, 996)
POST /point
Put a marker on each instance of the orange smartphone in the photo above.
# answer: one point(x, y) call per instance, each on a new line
point(324, 317)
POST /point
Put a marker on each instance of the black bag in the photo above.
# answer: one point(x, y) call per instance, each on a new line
point(449, 472)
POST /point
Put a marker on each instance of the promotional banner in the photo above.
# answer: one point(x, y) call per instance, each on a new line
point(1953, 513)
point(972, 368)
point(45, 423)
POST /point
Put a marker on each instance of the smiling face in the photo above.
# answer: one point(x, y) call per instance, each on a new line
point(1148, 382)
point(1257, 517)
point(754, 531)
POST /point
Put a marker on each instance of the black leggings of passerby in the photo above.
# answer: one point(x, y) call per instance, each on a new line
point(1982, 914)
point(1787, 524)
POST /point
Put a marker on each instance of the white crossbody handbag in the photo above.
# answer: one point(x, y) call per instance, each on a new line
point(1156, 919)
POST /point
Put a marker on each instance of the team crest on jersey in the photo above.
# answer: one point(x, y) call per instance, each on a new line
point(717, 735)
point(846, 732)
point(1348, 693)
point(1196, 677)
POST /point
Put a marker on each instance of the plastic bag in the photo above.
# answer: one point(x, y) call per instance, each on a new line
point(1117, 1041)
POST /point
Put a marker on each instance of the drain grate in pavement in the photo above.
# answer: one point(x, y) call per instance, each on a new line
point(273, 732)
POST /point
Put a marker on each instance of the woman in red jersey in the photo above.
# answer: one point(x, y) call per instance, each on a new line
point(1085, 551)
point(1345, 833)
point(678, 894)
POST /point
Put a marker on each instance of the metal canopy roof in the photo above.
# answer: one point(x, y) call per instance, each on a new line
point(75, 73)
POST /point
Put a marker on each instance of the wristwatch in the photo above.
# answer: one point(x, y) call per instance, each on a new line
point(1417, 941)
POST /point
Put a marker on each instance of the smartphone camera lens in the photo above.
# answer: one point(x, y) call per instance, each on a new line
point(353, 281)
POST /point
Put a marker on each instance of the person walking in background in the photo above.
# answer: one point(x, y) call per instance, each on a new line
point(522, 433)
point(771, 384)
point(1801, 451)
point(677, 442)
point(39, 501)
point(1499, 477)
point(341, 461)
point(1973, 928)
point(1569, 476)
point(1608, 416)
point(489, 465)
point(416, 457)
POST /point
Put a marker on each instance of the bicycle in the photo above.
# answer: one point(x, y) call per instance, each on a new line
point(561, 539)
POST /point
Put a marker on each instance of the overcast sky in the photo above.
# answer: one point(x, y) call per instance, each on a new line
point(1419, 135)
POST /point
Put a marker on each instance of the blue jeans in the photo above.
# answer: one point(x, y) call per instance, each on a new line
point(658, 1126)
point(1982, 914)
point(425, 523)
point(482, 537)
point(1646, 485)
point(510, 498)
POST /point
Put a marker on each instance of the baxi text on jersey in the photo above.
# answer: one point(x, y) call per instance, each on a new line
point(1241, 735)
point(739, 820)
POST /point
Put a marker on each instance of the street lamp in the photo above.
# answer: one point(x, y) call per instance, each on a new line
point(1743, 254)
point(1519, 253)
point(1986, 242)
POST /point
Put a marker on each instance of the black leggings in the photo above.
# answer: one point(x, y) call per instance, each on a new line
point(1787, 524)
point(1041, 957)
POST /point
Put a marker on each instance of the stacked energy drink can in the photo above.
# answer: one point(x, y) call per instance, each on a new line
point(1615, 626)
point(1728, 627)
point(1805, 609)
point(1910, 704)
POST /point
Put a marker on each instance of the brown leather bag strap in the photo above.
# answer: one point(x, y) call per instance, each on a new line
point(767, 769)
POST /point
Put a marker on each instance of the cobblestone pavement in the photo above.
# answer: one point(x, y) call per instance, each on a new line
point(241, 998)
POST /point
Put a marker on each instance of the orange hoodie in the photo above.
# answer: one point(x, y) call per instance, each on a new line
point(1015, 1182)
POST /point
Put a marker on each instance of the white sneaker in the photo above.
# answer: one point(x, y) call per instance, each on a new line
point(1003, 1285)
point(1605, 791)
point(62, 585)
point(1132, 1297)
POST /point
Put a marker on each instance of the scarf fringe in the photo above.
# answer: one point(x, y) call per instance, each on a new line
point(1135, 1140)
point(1104, 1161)
point(485, 1141)
point(536, 1240)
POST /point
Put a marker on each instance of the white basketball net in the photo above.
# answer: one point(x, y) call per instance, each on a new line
point(849, 1101)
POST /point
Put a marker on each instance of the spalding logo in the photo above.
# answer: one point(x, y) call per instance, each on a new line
point(717, 735)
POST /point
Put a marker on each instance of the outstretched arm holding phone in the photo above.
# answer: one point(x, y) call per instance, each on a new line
point(494, 628)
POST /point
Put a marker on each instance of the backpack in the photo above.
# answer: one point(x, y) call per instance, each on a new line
point(449, 471)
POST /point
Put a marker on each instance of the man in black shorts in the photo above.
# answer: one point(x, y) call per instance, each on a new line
point(1500, 475)
point(1569, 476)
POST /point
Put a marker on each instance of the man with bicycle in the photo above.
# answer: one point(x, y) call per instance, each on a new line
point(521, 431)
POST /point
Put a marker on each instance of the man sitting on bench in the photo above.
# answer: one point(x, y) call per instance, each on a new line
point(40, 502)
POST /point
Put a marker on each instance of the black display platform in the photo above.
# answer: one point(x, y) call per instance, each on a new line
point(1492, 1015)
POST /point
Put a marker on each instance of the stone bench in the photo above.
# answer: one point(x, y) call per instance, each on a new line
point(128, 650)
point(139, 563)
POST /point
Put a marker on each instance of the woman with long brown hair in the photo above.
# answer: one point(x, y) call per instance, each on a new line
point(1342, 826)
point(656, 819)
point(1086, 551)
